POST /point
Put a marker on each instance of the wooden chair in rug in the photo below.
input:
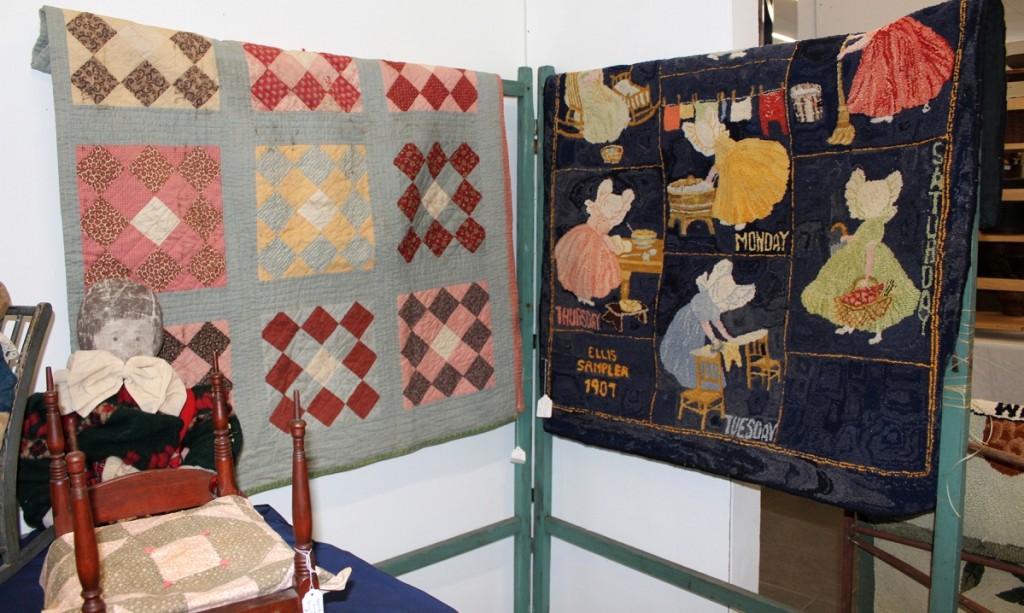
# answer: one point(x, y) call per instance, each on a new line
point(26, 327)
point(179, 545)
point(760, 364)
point(708, 396)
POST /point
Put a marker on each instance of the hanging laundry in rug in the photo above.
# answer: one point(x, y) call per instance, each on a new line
point(772, 109)
point(671, 119)
point(742, 109)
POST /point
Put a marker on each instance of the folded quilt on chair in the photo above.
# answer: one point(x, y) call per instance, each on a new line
point(329, 225)
point(215, 554)
point(755, 260)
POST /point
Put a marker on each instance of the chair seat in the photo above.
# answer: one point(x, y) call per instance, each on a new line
point(214, 554)
point(702, 399)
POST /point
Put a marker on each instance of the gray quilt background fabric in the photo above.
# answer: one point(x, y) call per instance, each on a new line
point(333, 225)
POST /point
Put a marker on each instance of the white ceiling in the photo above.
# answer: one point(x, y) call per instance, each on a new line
point(785, 20)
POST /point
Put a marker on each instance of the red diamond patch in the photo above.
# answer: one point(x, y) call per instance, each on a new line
point(309, 90)
point(410, 201)
point(344, 94)
point(357, 320)
point(436, 160)
point(326, 407)
point(464, 93)
point(283, 414)
point(360, 359)
point(466, 197)
point(320, 325)
point(465, 160)
point(338, 62)
point(434, 92)
point(437, 238)
point(409, 245)
point(280, 331)
point(283, 374)
point(363, 400)
point(471, 235)
point(266, 55)
point(409, 160)
point(403, 93)
point(269, 90)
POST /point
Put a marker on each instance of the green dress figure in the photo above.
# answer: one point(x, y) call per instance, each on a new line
point(862, 285)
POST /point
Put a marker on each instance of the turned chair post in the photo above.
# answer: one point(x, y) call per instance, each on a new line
point(222, 457)
point(60, 496)
point(88, 560)
point(302, 516)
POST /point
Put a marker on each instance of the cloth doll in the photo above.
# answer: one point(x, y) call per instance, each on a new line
point(130, 410)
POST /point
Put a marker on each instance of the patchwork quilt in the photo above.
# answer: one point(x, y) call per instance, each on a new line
point(755, 260)
point(326, 224)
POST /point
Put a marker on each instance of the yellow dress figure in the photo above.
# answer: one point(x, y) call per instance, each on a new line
point(752, 173)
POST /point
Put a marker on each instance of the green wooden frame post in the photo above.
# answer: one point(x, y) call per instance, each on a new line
point(542, 440)
point(956, 399)
point(526, 275)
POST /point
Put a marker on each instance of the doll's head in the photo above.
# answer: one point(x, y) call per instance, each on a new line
point(122, 317)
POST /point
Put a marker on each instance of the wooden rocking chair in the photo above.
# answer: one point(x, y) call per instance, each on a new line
point(80, 508)
point(27, 327)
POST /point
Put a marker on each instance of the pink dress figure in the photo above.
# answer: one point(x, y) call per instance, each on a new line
point(586, 257)
point(903, 65)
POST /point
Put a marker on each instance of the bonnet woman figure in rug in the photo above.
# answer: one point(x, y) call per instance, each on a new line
point(586, 257)
point(862, 285)
point(752, 173)
point(694, 325)
point(903, 65)
point(605, 112)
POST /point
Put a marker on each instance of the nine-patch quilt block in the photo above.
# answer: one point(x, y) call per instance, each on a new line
point(325, 224)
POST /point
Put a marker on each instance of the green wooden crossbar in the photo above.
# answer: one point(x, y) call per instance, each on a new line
point(449, 548)
point(517, 526)
point(670, 572)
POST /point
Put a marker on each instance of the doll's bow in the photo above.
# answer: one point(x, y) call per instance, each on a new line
point(92, 376)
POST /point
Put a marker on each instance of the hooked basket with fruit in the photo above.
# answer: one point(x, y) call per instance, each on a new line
point(864, 304)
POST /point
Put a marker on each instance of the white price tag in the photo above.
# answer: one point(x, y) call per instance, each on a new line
point(518, 456)
point(313, 601)
point(544, 406)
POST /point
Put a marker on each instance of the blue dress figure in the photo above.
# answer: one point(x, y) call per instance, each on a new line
point(694, 325)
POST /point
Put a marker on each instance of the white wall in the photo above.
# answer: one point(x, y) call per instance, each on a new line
point(391, 507)
point(833, 17)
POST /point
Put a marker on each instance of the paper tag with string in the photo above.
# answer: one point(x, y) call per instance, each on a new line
point(544, 406)
point(313, 601)
point(544, 403)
